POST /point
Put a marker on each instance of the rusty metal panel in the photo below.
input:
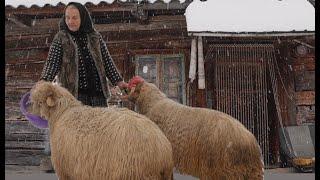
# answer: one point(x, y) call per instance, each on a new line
point(301, 140)
point(240, 85)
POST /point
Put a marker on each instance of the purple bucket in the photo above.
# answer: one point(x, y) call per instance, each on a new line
point(35, 120)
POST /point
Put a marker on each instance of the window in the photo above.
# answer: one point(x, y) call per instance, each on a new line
point(165, 71)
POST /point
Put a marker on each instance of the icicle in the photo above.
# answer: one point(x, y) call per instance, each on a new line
point(201, 74)
point(193, 61)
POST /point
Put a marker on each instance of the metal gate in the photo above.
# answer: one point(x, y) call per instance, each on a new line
point(240, 86)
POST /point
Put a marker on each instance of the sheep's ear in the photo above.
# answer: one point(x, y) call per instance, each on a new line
point(50, 102)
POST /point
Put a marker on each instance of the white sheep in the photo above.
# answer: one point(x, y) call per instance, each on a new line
point(100, 143)
point(206, 143)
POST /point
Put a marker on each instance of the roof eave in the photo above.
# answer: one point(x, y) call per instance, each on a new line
point(251, 34)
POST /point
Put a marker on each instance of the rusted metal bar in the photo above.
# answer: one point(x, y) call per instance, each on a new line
point(218, 70)
point(243, 103)
point(233, 84)
point(223, 82)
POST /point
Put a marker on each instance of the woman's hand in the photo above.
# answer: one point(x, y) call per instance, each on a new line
point(120, 90)
point(115, 91)
point(122, 85)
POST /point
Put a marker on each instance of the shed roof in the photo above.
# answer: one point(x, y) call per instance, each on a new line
point(245, 16)
point(41, 3)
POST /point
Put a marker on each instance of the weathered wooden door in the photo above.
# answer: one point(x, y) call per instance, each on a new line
point(165, 71)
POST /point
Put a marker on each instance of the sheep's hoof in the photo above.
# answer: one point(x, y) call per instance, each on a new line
point(46, 165)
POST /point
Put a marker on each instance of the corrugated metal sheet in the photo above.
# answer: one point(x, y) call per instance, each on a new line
point(43, 3)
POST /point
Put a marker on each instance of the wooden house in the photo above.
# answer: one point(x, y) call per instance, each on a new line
point(136, 34)
point(152, 40)
point(254, 67)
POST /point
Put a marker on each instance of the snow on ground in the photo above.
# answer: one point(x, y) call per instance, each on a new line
point(268, 176)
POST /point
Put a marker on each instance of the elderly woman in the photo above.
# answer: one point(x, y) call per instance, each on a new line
point(79, 60)
point(79, 57)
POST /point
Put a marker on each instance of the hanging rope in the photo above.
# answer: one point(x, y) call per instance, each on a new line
point(275, 95)
point(285, 89)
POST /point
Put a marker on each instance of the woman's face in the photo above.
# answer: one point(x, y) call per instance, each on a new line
point(72, 18)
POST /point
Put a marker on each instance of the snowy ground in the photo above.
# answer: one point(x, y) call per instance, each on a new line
point(273, 174)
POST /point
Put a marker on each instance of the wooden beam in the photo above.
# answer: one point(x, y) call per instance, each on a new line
point(303, 43)
point(27, 36)
point(251, 34)
point(156, 51)
point(21, 169)
point(34, 11)
point(17, 22)
point(28, 48)
point(24, 144)
point(23, 157)
point(305, 114)
point(303, 64)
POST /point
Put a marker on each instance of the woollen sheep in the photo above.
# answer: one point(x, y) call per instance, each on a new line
point(206, 143)
point(100, 143)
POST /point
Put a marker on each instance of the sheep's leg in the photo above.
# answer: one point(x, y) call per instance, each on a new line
point(63, 176)
point(47, 148)
point(46, 164)
point(166, 175)
point(214, 177)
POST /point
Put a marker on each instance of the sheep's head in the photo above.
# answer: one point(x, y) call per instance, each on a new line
point(140, 88)
point(134, 86)
point(46, 98)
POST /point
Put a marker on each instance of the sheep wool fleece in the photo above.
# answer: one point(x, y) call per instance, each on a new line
point(96, 143)
point(206, 143)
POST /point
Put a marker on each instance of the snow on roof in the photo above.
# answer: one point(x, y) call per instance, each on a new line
point(41, 3)
point(237, 16)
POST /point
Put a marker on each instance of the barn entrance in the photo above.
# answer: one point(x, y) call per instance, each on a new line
point(242, 88)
